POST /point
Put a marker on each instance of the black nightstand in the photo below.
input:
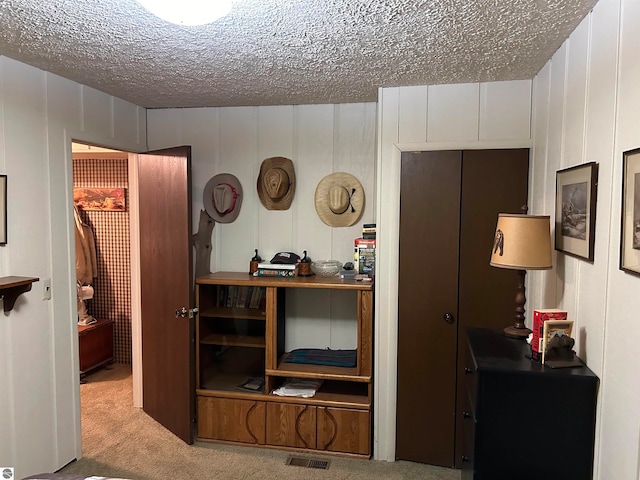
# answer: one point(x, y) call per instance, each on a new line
point(524, 420)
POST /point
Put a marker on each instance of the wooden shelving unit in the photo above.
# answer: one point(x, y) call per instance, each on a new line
point(239, 341)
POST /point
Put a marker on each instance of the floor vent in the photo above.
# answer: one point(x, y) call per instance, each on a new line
point(308, 462)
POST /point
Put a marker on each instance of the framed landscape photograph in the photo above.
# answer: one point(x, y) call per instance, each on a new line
point(576, 210)
point(630, 229)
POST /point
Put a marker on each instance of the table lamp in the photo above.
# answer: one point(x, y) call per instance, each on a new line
point(522, 242)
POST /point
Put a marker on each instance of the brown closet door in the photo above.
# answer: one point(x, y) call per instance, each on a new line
point(493, 181)
point(449, 204)
point(428, 290)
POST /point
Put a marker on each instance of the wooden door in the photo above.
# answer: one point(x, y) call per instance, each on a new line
point(165, 282)
point(291, 425)
point(344, 430)
point(493, 181)
point(448, 211)
point(231, 419)
point(427, 291)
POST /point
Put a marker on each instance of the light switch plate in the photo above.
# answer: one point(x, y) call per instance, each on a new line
point(46, 289)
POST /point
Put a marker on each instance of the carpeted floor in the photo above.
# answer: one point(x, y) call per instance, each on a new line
point(122, 441)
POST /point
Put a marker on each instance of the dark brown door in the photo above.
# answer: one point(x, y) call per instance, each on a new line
point(428, 290)
point(449, 203)
point(165, 282)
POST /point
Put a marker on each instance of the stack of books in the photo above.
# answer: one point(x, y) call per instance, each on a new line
point(268, 269)
point(538, 337)
point(364, 256)
point(369, 231)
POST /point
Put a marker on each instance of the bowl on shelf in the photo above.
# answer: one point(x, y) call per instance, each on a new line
point(326, 268)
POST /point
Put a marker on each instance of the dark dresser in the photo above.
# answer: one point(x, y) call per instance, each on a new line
point(523, 420)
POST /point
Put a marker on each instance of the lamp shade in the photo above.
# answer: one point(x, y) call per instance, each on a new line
point(522, 242)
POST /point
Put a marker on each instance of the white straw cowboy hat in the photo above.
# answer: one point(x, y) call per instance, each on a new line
point(339, 199)
point(276, 183)
point(223, 197)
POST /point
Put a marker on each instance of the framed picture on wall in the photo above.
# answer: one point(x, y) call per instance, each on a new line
point(576, 210)
point(3, 209)
point(630, 229)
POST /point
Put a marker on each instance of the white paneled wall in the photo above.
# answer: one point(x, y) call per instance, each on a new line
point(466, 116)
point(39, 398)
point(319, 139)
point(586, 108)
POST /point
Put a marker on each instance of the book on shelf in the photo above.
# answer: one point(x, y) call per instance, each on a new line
point(276, 272)
point(369, 231)
point(539, 317)
point(552, 328)
point(277, 266)
point(364, 255)
point(252, 384)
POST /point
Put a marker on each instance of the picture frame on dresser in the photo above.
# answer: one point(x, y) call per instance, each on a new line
point(3, 209)
point(630, 222)
point(575, 218)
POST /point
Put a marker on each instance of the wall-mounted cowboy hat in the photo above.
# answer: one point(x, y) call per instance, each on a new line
point(276, 183)
point(339, 199)
point(223, 197)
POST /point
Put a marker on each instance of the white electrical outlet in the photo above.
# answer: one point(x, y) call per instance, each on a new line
point(46, 289)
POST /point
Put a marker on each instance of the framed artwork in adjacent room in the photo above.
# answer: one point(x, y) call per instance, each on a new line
point(630, 229)
point(576, 210)
point(105, 199)
point(3, 209)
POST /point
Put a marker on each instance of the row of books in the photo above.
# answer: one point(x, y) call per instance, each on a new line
point(548, 323)
point(240, 296)
point(268, 269)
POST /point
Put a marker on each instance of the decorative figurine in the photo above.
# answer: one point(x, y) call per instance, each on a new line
point(253, 264)
point(304, 267)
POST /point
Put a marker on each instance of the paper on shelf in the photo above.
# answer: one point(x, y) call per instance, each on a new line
point(298, 387)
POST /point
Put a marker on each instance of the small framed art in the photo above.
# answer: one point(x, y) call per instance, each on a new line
point(630, 229)
point(576, 210)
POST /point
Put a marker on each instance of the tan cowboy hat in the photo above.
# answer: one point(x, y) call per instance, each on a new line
point(339, 199)
point(223, 197)
point(276, 183)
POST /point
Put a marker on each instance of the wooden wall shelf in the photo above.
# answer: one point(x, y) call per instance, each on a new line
point(11, 287)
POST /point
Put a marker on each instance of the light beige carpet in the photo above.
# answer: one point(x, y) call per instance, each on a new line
point(122, 441)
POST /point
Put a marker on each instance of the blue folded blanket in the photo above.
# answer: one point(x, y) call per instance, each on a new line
point(319, 356)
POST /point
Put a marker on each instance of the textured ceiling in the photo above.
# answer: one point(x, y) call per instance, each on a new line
point(283, 52)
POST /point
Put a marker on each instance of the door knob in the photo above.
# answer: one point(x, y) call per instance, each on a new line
point(183, 312)
point(448, 318)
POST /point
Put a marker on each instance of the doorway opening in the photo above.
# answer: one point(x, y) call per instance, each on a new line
point(101, 186)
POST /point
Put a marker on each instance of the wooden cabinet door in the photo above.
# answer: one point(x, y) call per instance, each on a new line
point(231, 419)
point(291, 425)
point(344, 430)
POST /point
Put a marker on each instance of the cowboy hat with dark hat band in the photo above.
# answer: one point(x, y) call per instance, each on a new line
point(339, 199)
point(222, 197)
point(276, 183)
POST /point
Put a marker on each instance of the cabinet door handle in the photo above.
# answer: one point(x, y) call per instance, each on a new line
point(468, 371)
point(448, 318)
point(466, 415)
point(465, 458)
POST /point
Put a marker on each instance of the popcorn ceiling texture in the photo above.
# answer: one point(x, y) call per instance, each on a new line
point(284, 52)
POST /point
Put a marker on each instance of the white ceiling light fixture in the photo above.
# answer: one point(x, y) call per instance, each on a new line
point(188, 12)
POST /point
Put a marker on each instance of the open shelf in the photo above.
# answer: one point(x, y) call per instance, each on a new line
point(234, 340)
point(301, 370)
point(11, 287)
point(232, 312)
